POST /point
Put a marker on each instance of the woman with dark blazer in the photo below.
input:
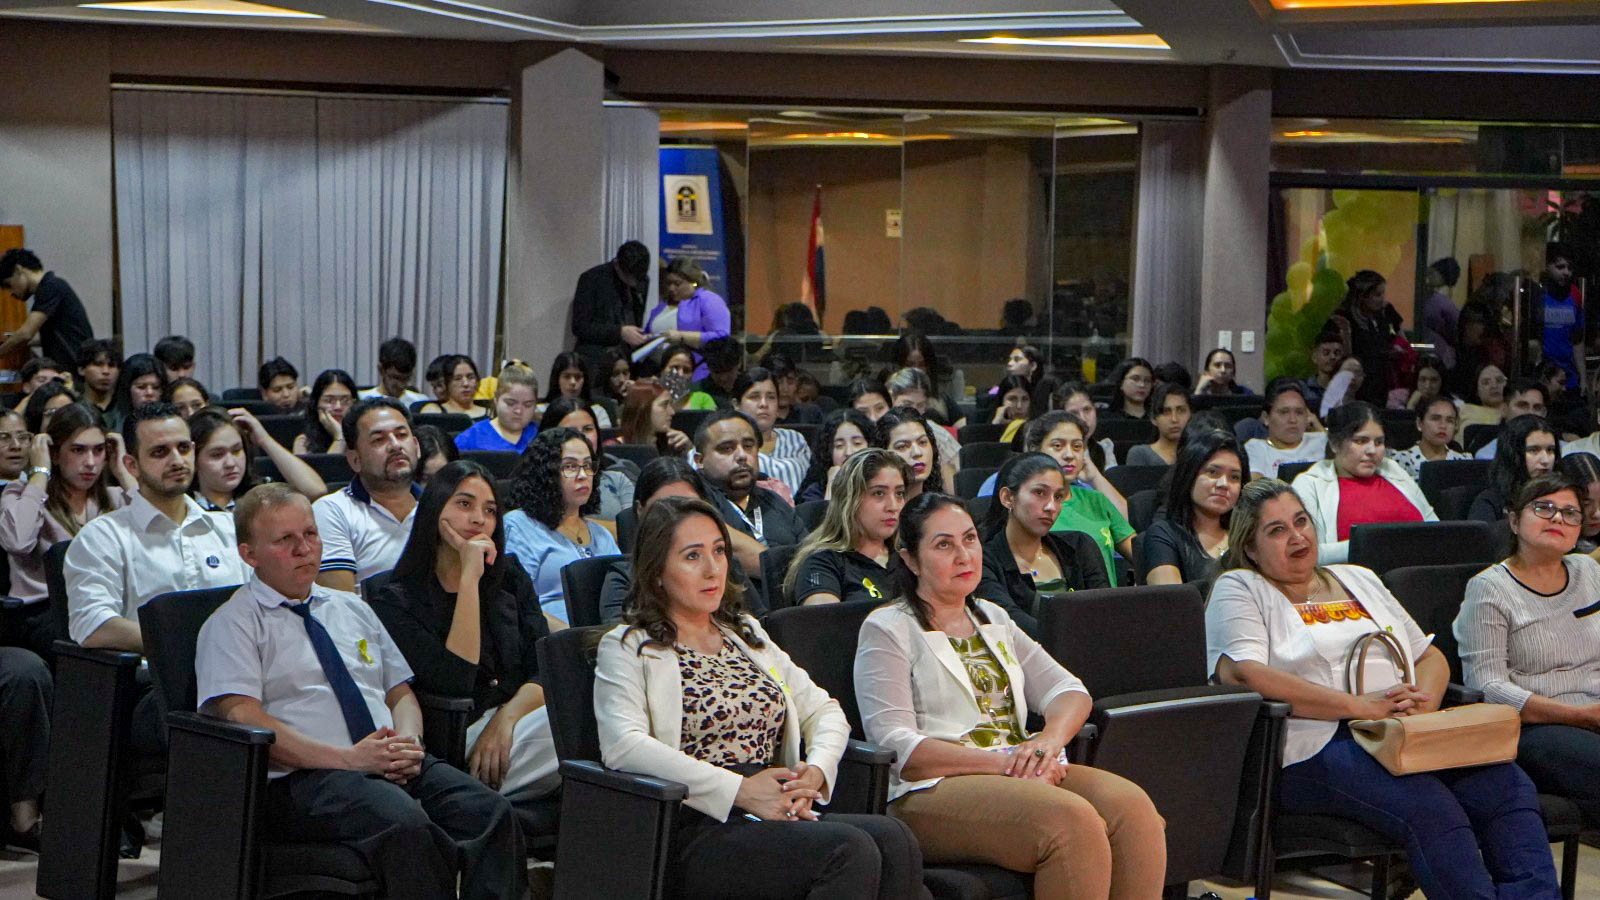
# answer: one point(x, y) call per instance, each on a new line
point(1029, 491)
point(466, 617)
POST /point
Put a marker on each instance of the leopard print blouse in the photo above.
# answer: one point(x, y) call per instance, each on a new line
point(733, 713)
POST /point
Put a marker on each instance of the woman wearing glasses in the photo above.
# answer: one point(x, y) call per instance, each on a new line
point(332, 395)
point(1530, 638)
point(553, 494)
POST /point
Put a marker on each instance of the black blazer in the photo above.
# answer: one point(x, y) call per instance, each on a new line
point(1082, 568)
point(418, 618)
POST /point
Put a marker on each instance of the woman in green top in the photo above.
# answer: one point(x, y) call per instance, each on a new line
point(1086, 508)
point(677, 374)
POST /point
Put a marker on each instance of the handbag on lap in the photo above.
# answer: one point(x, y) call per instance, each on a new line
point(1475, 734)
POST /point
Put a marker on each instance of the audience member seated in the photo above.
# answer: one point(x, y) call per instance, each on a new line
point(1435, 432)
point(1282, 626)
point(912, 437)
point(188, 395)
point(1523, 397)
point(466, 617)
point(973, 785)
point(1026, 564)
point(332, 396)
point(870, 398)
point(1528, 448)
point(434, 451)
point(516, 402)
point(437, 375)
point(792, 410)
point(460, 387)
point(1015, 400)
point(847, 556)
point(911, 387)
point(677, 375)
point(608, 304)
point(1024, 361)
point(1529, 639)
point(1218, 373)
point(397, 369)
point(175, 353)
point(616, 478)
point(784, 452)
point(99, 360)
point(1287, 439)
point(618, 376)
point(44, 402)
point(35, 373)
point(346, 762)
point(913, 350)
point(1133, 378)
point(1359, 486)
point(16, 443)
point(1584, 470)
point(669, 476)
point(569, 378)
point(1169, 410)
point(75, 473)
point(279, 383)
point(731, 729)
point(27, 695)
point(1074, 397)
point(364, 527)
point(723, 359)
point(1186, 542)
point(1487, 407)
point(647, 419)
point(57, 316)
point(1345, 386)
point(1428, 385)
point(688, 313)
point(725, 445)
point(843, 432)
point(550, 526)
point(140, 382)
point(223, 470)
point(1326, 357)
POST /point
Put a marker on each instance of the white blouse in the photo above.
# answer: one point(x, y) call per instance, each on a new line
point(1249, 620)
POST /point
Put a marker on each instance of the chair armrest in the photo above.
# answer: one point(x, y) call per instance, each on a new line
point(215, 802)
point(1460, 695)
point(444, 726)
point(863, 782)
point(1082, 744)
point(11, 603)
point(616, 829)
point(868, 754)
point(120, 658)
point(1250, 854)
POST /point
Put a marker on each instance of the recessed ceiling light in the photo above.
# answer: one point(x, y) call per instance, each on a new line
point(205, 8)
point(1353, 4)
point(1111, 41)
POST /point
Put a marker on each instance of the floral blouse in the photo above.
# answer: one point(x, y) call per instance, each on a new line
point(733, 713)
point(992, 689)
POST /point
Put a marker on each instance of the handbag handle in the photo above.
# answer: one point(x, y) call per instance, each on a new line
point(1358, 653)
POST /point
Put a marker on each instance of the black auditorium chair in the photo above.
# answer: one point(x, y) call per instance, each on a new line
point(580, 584)
point(236, 394)
point(1133, 431)
point(1160, 724)
point(1143, 506)
point(257, 408)
point(500, 463)
point(638, 454)
point(1392, 545)
point(980, 433)
point(774, 566)
point(688, 420)
point(1248, 404)
point(330, 467)
point(1440, 475)
point(1288, 472)
point(985, 455)
point(810, 512)
point(1130, 480)
point(1455, 502)
point(94, 778)
point(1474, 437)
point(284, 427)
point(451, 424)
point(616, 826)
point(627, 527)
point(1399, 428)
point(1432, 595)
point(969, 480)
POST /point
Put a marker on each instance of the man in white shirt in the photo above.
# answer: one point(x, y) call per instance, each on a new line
point(317, 668)
point(365, 526)
point(397, 370)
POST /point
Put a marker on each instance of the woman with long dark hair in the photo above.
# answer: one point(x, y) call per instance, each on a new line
point(1217, 375)
point(553, 492)
point(1131, 381)
point(913, 350)
point(140, 382)
point(688, 313)
point(1169, 410)
point(570, 377)
point(909, 435)
point(466, 618)
point(843, 432)
point(43, 403)
point(1369, 326)
point(784, 454)
point(1185, 544)
point(689, 688)
point(1528, 446)
point(332, 395)
point(188, 395)
point(1015, 399)
point(1584, 470)
point(225, 446)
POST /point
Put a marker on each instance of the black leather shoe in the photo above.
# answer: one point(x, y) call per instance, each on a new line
point(132, 837)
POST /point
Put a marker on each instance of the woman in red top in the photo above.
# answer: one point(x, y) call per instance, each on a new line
point(1360, 485)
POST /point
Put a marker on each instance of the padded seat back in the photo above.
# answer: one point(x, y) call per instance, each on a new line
point(580, 584)
point(1432, 595)
point(171, 624)
point(1390, 546)
point(566, 669)
point(1105, 637)
point(822, 640)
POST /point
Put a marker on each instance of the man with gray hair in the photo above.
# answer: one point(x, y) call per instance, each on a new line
point(316, 666)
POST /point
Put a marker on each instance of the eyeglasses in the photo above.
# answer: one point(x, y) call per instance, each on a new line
point(17, 438)
point(335, 401)
point(1544, 509)
point(571, 469)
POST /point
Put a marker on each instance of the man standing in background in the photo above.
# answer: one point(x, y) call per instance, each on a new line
point(608, 305)
point(56, 316)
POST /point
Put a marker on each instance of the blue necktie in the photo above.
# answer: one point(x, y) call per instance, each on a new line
point(357, 718)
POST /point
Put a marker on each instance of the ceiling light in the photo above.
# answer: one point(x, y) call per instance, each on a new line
point(1353, 4)
point(1109, 41)
point(205, 8)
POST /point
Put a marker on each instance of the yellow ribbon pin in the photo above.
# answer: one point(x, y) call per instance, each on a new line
point(366, 657)
point(1005, 651)
point(872, 589)
point(773, 672)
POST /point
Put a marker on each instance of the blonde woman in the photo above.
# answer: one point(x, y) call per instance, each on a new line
point(516, 399)
point(847, 557)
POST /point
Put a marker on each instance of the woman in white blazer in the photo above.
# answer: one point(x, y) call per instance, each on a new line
point(946, 680)
point(1360, 485)
point(690, 689)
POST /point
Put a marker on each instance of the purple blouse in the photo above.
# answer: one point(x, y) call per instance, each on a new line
point(704, 312)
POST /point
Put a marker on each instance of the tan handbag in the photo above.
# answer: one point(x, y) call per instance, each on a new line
point(1476, 734)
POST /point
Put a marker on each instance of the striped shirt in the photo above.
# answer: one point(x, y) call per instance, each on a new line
point(1516, 641)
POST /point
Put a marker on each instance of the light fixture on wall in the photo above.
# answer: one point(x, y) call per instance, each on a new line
point(205, 8)
point(1076, 41)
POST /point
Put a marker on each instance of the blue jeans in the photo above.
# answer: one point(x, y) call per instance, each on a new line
point(1443, 818)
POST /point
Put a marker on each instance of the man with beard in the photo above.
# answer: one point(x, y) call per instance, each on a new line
point(161, 541)
point(725, 445)
point(365, 526)
point(1563, 316)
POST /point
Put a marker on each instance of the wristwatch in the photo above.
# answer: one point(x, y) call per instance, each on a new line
point(32, 470)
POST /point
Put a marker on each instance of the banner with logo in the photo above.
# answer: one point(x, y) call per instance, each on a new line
point(691, 212)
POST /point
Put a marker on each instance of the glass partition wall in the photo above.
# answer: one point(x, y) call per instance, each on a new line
point(976, 229)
